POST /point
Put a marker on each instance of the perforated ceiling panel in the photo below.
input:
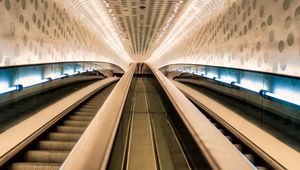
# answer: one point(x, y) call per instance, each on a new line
point(142, 24)
point(42, 31)
point(261, 35)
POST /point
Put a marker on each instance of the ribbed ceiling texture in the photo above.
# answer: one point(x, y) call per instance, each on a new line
point(136, 27)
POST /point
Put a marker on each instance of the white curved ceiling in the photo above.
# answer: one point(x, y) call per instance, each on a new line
point(135, 27)
point(260, 35)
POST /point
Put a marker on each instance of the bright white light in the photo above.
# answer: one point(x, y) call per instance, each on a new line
point(83, 71)
point(55, 76)
point(212, 74)
point(223, 81)
point(4, 84)
point(6, 90)
point(228, 78)
point(207, 76)
point(71, 74)
point(35, 83)
point(290, 100)
point(27, 81)
point(289, 95)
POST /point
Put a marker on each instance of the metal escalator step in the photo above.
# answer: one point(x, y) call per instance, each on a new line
point(55, 145)
point(90, 107)
point(45, 156)
point(88, 110)
point(81, 118)
point(238, 147)
point(34, 166)
point(261, 168)
point(64, 137)
point(98, 99)
point(222, 131)
point(76, 123)
point(92, 104)
point(69, 129)
point(88, 114)
point(229, 138)
point(250, 157)
point(97, 104)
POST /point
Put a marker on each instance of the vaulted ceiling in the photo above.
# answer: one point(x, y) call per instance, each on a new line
point(141, 25)
point(261, 35)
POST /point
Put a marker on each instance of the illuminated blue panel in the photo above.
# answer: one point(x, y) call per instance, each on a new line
point(7, 77)
point(212, 72)
point(28, 76)
point(69, 69)
point(252, 81)
point(228, 75)
point(78, 67)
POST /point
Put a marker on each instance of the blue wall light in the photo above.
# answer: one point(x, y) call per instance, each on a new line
point(37, 82)
point(221, 80)
point(207, 76)
point(265, 93)
point(245, 87)
point(11, 89)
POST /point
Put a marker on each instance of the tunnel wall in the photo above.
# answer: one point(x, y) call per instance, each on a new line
point(43, 31)
point(260, 35)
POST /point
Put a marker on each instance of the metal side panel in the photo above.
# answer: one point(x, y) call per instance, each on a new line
point(273, 150)
point(18, 136)
point(219, 152)
point(93, 149)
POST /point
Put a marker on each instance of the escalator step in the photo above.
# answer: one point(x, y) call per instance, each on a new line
point(88, 114)
point(76, 123)
point(90, 107)
point(229, 138)
point(238, 147)
point(261, 168)
point(80, 118)
point(45, 156)
point(92, 104)
point(69, 129)
point(55, 145)
point(88, 110)
point(64, 137)
point(250, 157)
point(34, 166)
point(222, 131)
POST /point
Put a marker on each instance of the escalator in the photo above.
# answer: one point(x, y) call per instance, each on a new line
point(242, 108)
point(17, 111)
point(50, 149)
point(284, 129)
point(151, 134)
